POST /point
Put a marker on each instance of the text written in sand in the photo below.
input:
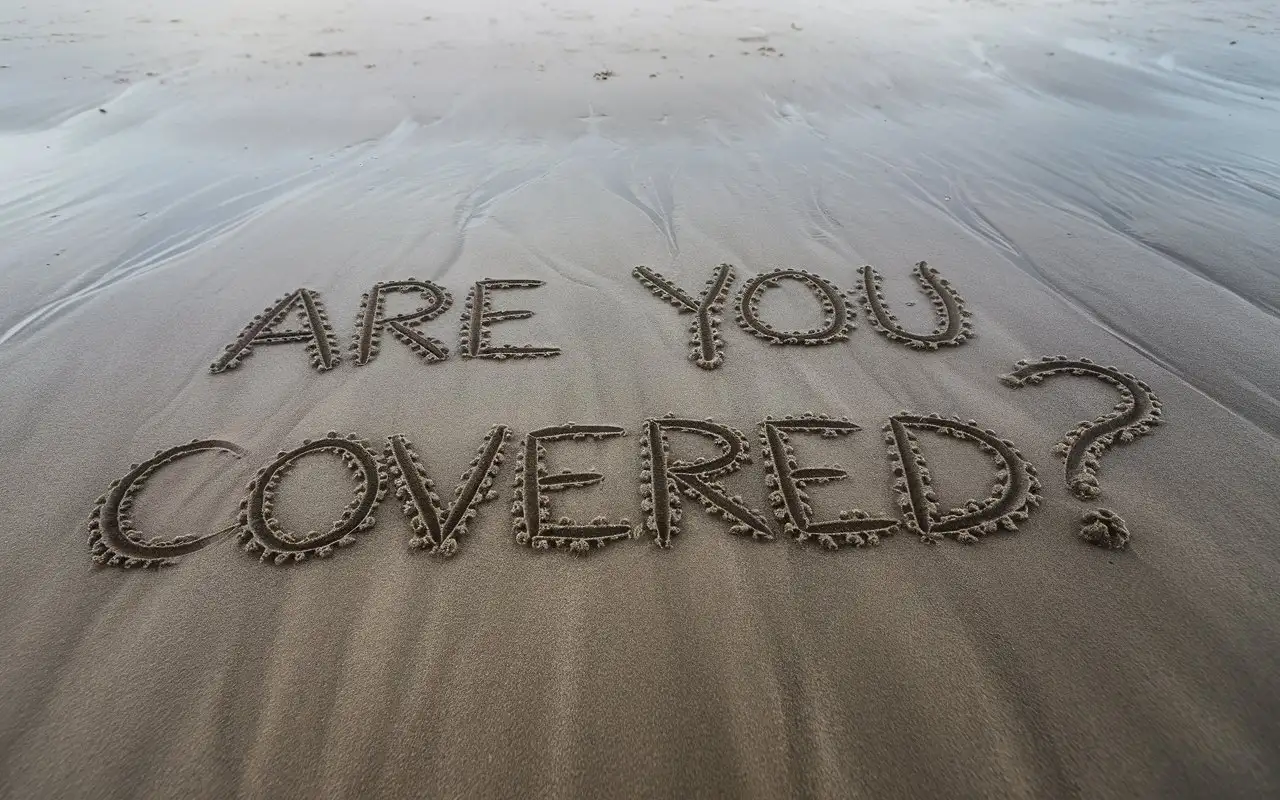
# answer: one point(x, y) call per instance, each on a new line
point(667, 475)
point(299, 318)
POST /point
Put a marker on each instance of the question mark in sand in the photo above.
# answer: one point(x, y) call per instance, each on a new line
point(1135, 415)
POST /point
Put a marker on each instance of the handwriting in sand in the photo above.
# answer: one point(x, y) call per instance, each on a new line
point(666, 477)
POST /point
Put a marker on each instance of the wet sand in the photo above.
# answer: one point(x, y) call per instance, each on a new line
point(1096, 181)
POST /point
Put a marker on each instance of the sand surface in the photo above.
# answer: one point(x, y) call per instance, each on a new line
point(1097, 180)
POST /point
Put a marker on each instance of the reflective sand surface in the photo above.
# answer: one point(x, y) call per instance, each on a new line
point(1098, 179)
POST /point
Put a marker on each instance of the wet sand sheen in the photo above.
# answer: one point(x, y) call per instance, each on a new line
point(1098, 181)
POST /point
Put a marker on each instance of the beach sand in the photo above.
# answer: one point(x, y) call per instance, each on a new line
point(1096, 181)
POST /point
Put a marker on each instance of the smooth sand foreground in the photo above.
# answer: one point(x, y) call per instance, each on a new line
point(1097, 181)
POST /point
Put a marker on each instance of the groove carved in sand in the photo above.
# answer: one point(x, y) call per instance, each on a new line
point(787, 480)
point(265, 328)
point(705, 340)
point(836, 320)
point(260, 530)
point(1138, 411)
point(479, 316)
point(437, 528)
point(953, 328)
point(113, 538)
point(1103, 527)
point(1016, 491)
point(372, 320)
point(663, 478)
point(531, 507)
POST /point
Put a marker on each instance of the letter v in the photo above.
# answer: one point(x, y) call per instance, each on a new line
point(436, 528)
